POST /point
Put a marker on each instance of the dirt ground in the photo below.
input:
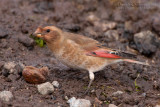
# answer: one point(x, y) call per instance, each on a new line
point(20, 18)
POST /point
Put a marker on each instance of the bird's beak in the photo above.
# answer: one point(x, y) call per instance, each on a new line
point(39, 35)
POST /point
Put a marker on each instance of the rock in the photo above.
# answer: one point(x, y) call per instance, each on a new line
point(117, 93)
point(92, 18)
point(127, 36)
point(66, 97)
point(43, 6)
point(10, 66)
point(112, 105)
point(26, 41)
point(35, 75)
point(55, 84)
point(19, 68)
point(146, 42)
point(3, 33)
point(73, 102)
point(109, 25)
point(6, 95)
point(5, 72)
point(45, 88)
point(111, 35)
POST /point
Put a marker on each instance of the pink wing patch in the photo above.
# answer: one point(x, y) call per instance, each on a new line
point(102, 53)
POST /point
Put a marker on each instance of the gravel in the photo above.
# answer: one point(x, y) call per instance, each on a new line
point(10, 66)
point(55, 84)
point(111, 35)
point(112, 105)
point(73, 102)
point(45, 88)
point(6, 96)
point(117, 93)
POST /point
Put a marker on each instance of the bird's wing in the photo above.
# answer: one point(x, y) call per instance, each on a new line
point(85, 42)
point(96, 49)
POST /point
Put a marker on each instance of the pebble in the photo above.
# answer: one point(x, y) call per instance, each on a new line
point(35, 75)
point(26, 41)
point(66, 97)
point(10, 66)
point(73, 102)
point(92, 18)
point(117, 93)
point(111, 35)
point(108, 25)
point(146, 42)
point(6, 96)
point(3, 33)
point(19, 68)
point(45, 88)
point(112, 105)
point(55, 84)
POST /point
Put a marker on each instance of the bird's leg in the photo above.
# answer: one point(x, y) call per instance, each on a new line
point(91, 76)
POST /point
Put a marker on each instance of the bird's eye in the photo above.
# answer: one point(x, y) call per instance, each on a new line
point(48, 30)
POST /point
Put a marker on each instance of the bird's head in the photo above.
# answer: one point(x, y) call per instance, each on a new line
point(49, 33)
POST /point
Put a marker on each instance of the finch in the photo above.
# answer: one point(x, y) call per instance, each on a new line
point(80, 52)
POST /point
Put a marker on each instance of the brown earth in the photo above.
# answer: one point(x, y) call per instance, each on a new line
point(19, 18)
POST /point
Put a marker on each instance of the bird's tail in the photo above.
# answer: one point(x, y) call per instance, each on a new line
point(137, 62)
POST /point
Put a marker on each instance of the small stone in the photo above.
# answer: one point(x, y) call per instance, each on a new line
point(5, 72)
point(66, 97)
point(73, 102)
point(6, 95)
point(45, 88)
point(146, 42)
point(112, 105)
point(35, 75)
point(117, 93)
point(3, 33)
point(111, 35)
point(144, 94)
point(26, 41)
point(10, 66)
point(92, 18)
point(19, 68)
point(55, 84)
point(92, 91)
point(109, 25)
